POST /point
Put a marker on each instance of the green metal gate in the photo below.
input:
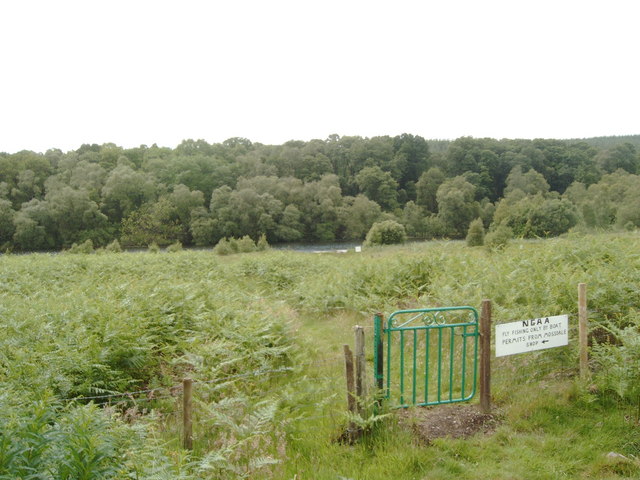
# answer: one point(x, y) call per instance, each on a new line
point(431, 355)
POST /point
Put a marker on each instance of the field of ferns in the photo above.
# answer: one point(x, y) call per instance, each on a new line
point(94, 348)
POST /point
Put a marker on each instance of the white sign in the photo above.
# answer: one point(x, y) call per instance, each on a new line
point(530, 335)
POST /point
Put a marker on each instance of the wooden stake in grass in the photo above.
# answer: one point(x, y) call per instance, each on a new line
point(348, 366)
point(360, 365)
point(352, 432)
point(583, 330)
point(485, 357)
point(187, 384)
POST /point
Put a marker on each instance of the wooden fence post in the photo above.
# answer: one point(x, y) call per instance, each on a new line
point(360, 365)
point(485, 357)
point(348, 364)
point(352, 431)
point(187, 384)
point(583, 330)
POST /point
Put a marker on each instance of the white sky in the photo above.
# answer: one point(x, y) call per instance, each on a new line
point(142, 72)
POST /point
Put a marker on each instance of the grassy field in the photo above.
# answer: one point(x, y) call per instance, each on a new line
point(261, 334)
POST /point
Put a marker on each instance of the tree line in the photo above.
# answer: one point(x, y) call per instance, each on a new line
point(319, 190)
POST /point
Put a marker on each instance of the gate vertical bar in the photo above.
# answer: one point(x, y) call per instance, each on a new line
point(415, 354)
point(378, 351)
point(402, 367)
point(426, 367)
point(439, 363)
point(451, 355)
point(464, 359)
point(388, 393)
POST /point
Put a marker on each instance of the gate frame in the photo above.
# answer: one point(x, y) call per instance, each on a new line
point(378, 352)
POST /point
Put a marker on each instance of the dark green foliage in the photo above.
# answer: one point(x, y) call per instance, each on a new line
point(320, 190)
point(623, 157)
point(427, 187)
point(475, 235)
point(152, 223)
point(387, 232)
point(378, 186)
point(7, 226)
point(536, 216)
point(457, 206)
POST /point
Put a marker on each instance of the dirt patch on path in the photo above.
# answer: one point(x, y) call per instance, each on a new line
point(455, 421)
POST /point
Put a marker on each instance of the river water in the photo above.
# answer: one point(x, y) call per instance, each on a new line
point(318, 247)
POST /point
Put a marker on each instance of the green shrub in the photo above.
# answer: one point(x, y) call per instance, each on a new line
point(114, 247)
point(153, 248)
point(388, 232)
point(233, 244)
point(174, 247)
point(246, 245)
point(499, 237)
point(84, 248)
point(223, 247)
point(228, 246)
point(475, 234)
point(262, 243)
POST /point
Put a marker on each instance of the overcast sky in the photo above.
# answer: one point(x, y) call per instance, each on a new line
point(142, 72)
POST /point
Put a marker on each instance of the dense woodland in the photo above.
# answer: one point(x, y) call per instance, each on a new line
point(315, 191)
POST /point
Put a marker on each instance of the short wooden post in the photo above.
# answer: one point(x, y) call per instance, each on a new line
point(583, 330)
point(352, 431)
point(485, 357)
point(187, 423)
point(348, 364)
point(360, 365)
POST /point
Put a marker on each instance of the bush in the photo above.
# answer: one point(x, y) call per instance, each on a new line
point(262, 243)
point(153, 248)
point(85, 247)
point(246, 245)
point(223, 247)
point(174, 247)
point(499, 237)
point(388, 232)
point(536, 216)
point(475, 234)
point(227, 246)
point(114, 247)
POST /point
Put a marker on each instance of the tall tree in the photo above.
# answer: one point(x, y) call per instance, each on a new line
point(457, 206)
point(378, 186)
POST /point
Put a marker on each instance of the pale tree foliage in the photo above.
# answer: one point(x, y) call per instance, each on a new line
point(457, 206)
